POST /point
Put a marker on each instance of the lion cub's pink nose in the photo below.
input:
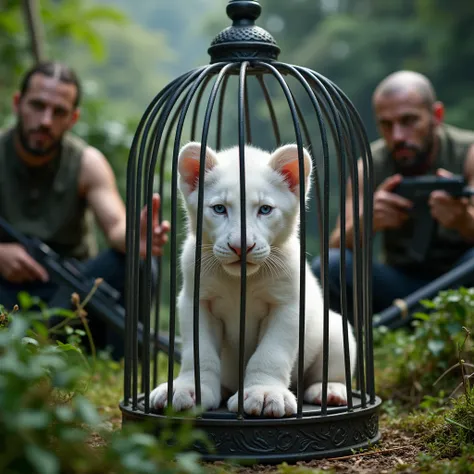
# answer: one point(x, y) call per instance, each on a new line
point(238, 250)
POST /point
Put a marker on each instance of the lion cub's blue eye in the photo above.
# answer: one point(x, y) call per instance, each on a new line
point(219, 209)
point(265, 210)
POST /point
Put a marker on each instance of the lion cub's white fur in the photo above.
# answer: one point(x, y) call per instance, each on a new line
point(273, 265)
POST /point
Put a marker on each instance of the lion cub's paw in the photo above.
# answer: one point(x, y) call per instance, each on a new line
point(184, 396)
point(267, 400)
point(337, 394)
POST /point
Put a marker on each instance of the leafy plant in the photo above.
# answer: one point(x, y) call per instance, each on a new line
point(47, 424)
point(417, 358)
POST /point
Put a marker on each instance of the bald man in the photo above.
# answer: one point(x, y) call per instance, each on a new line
point(414, 141)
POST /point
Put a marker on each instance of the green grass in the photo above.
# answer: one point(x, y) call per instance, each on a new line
point(442, 430)
point(424, 429)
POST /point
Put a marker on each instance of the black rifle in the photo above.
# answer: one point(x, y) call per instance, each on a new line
point(418, 190)
point(69, 273)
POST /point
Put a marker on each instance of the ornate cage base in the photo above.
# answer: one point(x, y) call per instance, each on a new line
point(272, 441)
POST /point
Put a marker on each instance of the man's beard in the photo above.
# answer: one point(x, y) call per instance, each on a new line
point(39, 152)
point(419, 162)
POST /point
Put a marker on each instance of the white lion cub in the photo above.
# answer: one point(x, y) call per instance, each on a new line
point(272, 308)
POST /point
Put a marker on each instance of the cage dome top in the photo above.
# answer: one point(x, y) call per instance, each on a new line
point(243, 40)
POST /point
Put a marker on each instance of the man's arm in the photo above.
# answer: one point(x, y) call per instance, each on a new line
point(335, 237)
point(98, 185)
point(467, 229)
point(452, 213)
point(389, 209)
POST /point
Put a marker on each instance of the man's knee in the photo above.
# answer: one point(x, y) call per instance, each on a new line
point(333, 265)
point(109, 265)
point(468, 279)
point(469, 255)
point(8, 296)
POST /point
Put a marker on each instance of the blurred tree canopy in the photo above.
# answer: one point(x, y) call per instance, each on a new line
point(126, 51)
point(356, 44)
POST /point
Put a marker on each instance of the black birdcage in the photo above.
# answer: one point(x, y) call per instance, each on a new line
point(243, 89)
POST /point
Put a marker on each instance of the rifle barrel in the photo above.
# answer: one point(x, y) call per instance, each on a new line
point(69, 272)
point(393, 315)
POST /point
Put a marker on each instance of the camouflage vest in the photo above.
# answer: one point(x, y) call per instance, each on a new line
point(447, 245)
point(44, 202)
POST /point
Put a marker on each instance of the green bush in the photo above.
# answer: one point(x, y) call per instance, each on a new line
point(410, 362)
point(48, 426)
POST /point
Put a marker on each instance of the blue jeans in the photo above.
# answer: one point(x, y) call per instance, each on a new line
point(109, 265)
point(388, 282)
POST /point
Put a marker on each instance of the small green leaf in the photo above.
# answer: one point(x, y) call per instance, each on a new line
point(65, 313)
point(142, 439)
point(68, 347)
point(436, 347)
point(454, 297)
point(40, 328)
point(105, 13)
point(422, 316)
point(30, 340)
point(134, 462)
point(453, 328)
point(64, 413)
point(189, 462)
point(32, 419)
point(44, 461)
point(87, 411)
point(73, 435)
point(25, 300)
point(428, 304)
point(17, 328)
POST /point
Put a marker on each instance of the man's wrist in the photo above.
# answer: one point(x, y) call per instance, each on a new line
point(466, 225)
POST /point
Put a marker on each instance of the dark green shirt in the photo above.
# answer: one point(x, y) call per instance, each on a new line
point(447, 245)
point(44, 202)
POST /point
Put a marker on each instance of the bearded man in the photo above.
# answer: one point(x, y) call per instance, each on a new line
point(414, 141)
point(51, 183)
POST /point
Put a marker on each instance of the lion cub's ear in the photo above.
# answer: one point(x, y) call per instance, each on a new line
point(284, 160)
point(189, 162)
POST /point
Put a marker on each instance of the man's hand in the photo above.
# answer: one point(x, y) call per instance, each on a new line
point(18, 266)
point(159, 233)
point(390, 209)
point(450, 212)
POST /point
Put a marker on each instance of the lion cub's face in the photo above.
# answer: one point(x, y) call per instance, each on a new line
point(271, 207)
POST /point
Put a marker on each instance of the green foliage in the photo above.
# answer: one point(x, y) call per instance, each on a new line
point(47, 423)
point(420, 357)
point(42, 412)
point(99, 41)
point(78, 21)
point(457, 430)
point(355, 44)
point(444, 429)
point(444, 433)
point(432, 465)
point(182, 25)
point(63, 23)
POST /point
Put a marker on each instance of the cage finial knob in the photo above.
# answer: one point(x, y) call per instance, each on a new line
point(243, 10)
point(243, 41)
